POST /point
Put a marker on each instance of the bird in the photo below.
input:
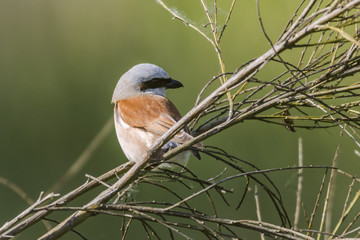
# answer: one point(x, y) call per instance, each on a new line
point(142, 114)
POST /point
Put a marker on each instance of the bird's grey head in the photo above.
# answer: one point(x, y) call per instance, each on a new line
point(144, 78)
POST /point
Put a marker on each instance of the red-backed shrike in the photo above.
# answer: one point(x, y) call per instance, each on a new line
point(142, 113)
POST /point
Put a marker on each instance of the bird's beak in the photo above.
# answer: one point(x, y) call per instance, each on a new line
point(173, 84)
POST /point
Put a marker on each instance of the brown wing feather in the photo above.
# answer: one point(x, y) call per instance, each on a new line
point(149, 107)
point(158, 114)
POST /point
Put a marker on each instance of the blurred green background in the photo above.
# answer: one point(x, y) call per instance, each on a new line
point(59, 63)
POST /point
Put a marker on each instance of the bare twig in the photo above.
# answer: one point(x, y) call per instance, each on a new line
point(299, 186)
point(61, 201)
point(328, 199)
point(25, 213)
point(258, 213)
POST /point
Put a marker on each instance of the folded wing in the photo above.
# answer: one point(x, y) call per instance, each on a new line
point(152, 113)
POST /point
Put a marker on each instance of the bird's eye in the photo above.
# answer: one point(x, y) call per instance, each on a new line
point(142, 86)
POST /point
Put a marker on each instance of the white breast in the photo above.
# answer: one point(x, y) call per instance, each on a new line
point(135, 143)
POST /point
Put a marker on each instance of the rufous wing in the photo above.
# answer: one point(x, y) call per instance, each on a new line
point(152, 113)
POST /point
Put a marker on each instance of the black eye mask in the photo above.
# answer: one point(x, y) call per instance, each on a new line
point(160, 83)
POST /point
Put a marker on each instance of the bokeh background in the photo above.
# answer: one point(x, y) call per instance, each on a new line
point(59, 63)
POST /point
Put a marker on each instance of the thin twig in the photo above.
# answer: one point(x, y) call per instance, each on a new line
point(258, 213)
point(328, 198)
point(300, 185)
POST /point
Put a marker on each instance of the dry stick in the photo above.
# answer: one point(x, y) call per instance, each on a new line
point(309, 40)
point(298, 21)
point(267, 228)
point(299, 187)
point(216, 41)
point(255, 65)
point(282, 99)
point(323, 118)
point(80, 216)
point(227, 20)
point(224, 119)
point(214, 234)
point(248, 113)
point(348, 175)
point(63, 200)
point(83, 214)
point(342, 33)
point(98, 180)
point(348, 196)
point(316, 204)
point(215, 15)
point(346, 213)
point(19, 191)
point(205, 87)
point(84, 157)
point(163, 223)
point(327, 198)
point(79, 163)
point(341, 126)
point(243, 174)
point(346, 230)
point(332, 184)
point(291, 20)
point(126, 229)
point(23, 214)
point(355, 230)
point(213, 28)
point(258, 213)
point(177, 16)
point(278, 55)
point(345, 206)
